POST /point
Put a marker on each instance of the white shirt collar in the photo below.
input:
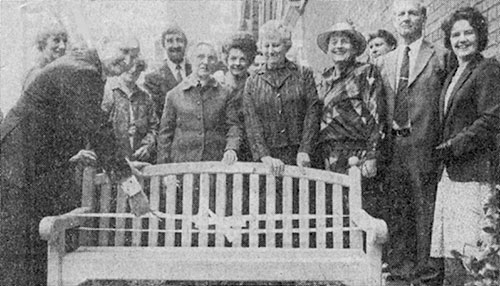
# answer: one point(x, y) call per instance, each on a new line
point(413, 54)
point(415, 46)
point(173, 67)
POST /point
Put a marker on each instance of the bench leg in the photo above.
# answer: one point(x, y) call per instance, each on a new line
point(54, 267)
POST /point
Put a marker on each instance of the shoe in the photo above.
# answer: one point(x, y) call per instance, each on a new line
point(401, 271)
point(427, 274)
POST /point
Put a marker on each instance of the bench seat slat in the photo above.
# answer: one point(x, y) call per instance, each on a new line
point(213, 264)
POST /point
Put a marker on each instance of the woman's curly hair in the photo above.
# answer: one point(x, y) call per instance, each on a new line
point(475, 19)
point(242, 41)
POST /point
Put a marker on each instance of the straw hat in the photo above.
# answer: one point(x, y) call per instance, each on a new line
point(357, 38)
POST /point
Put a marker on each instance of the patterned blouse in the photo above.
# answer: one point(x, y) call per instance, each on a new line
point(351, 108)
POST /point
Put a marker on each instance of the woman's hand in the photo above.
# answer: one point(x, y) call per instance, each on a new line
point(303, 160)
point(276, 166)
point(85, 157)
point(230, 157)
point(136, 167)
point(369, 168)
point(141, 154)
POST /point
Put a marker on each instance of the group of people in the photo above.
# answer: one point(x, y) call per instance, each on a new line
point(421, 119)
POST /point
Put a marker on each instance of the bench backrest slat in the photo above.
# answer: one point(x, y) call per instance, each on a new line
point(105, 207)
point(304, 211)
point(287, 210)
point(220, 205)
point(154, 202)
point(254, 201)
point(203, 206)
point(187, 207)
point(170, 203)
point(237, 204)
point(321, 213)
point(270, 210)
point(338, 214)
point(121, 207)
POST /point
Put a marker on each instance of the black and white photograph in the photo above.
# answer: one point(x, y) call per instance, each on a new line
point(249, 142)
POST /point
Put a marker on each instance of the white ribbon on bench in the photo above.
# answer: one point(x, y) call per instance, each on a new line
point(229, 226)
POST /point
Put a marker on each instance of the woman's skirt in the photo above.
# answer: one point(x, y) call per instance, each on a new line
point(457, 216)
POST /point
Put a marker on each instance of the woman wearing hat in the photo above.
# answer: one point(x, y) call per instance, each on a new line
point(350, 92)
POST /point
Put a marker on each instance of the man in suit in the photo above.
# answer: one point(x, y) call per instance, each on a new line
point(413, 77)
point(172, 71)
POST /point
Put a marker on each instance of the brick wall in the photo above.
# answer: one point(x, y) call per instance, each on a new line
point(369, 15)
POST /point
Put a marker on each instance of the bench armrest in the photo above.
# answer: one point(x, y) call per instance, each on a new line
point(51, 227)
point(376, 229)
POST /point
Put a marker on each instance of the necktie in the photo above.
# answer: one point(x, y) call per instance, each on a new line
point(401, 108)
point(178, 75)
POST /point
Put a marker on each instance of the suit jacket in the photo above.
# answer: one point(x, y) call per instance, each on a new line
point(424, 86)
point(198, 123)
point(161, 81)
point(472, 121)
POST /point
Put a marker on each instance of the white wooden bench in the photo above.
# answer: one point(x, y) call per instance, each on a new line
point(220, 223)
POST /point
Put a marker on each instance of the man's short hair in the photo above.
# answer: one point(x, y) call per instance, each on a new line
point(421, 5)
point(170, 30)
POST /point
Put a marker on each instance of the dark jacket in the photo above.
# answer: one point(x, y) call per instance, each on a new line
point(198, 123)
point(161, 81)
point(281, 109)
point(57, 115)
point(424, 86)
point(121, 108)
point(472, 121)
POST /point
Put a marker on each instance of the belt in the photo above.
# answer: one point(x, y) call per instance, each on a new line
point(405, 132)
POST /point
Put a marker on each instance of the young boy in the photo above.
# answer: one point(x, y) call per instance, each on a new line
point(132, 112)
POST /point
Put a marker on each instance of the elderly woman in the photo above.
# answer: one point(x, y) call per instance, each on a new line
point(470, 114)
point(351, 93)
point(200, 118)
point(281, 105)
point(51, 43)
point(380, 43)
